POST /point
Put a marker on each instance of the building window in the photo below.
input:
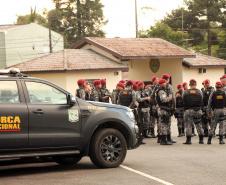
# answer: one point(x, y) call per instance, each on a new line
point(201, 70)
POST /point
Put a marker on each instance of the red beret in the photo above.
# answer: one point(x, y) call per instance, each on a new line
point(137, 82)
point(165, 76)
point(193, 80)
point(80, 81)
point(206, 81)
point(122, 81)
point(135, 87)
point(183, 84)
point(140, 83)
point(179, 86)
point(219, 83)
point(161, 81)
point(103, 81)
point(153, 78)
point(147, 86)
point(130, 81)
point(120, 85)
point(96, 82)
point(224, 76)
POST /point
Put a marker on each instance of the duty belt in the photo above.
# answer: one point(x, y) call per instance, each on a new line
point(165, 108)
point(193, 108)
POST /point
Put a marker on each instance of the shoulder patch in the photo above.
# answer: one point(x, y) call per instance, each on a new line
point(125, 92)
point(219, 97)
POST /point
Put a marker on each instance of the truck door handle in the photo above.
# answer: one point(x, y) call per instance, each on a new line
point(85, 113)
point(38, 111)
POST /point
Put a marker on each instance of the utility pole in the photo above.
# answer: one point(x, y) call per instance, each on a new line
point(50, 41)
point(136, 22)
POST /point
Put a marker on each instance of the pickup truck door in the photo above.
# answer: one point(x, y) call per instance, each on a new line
point(52, 122)
point(13, 116)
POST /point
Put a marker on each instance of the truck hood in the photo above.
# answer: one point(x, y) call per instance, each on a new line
point(99, 104)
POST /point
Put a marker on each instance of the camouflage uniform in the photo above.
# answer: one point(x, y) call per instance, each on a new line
point(217, 102)
point(105, 91)
point(144, 107)
point(114, 96)
point(193, 101)
point(81, 93)
point(96, 95)
point(224, 89)
point(179, 114)
point(206, 120)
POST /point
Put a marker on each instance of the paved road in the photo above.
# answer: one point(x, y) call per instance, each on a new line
point(149, 164)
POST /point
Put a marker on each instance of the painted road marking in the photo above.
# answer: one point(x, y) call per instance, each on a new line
point(146, 175)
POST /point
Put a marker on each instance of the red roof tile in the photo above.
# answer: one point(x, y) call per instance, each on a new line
point(69, 60)
point(204, 61)
point(136, 48)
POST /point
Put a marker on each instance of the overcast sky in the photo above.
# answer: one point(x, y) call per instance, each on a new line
point(120, 13)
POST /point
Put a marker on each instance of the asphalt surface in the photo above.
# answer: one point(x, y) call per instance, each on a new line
point(149, 164)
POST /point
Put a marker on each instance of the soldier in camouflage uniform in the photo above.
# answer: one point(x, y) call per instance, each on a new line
point(164, 111)
point(206, 94)
point(80, 92)
point(193, 101)
point(179, 114)
point(143, 99)
point(104, 91)
point(217, 102)
point(223, 81)
point(96, 93)
point(115, 93)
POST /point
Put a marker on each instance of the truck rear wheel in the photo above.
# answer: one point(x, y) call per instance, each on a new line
point(67, 160)
point(108, 148)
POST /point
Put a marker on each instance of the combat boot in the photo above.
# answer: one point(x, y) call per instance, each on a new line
point(188, 141)
point(169, 139)
point(221, 140)
point(164, 141)
point(209, 140)
point(146, 135)
point(159, 138)
point(179, 132)
point(201, 139)
point(182, 132)
point(153, 133)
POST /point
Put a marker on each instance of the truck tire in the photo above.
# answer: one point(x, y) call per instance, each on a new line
point(108, 148)
point(67, 160)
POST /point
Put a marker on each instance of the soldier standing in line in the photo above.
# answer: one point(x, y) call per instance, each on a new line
point(179, 114)
point(143, 99)
point(115, 93)
point(185, 86)
point(88, 91)
point(104, 91)
point(217, 102)
point(135, 87)
point(96, 93)
point(80, 92)
point(164, 111)
point(153, 109)
point(193, 101)
point(206, 94)
point(127, 97)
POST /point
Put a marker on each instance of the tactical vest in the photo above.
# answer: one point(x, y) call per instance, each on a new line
point(87, 95)
point(206, 95)
point(115, 94)
point(126, 97)
point(192, 98)
point(179, 100)
point(159, 102)
point(103, 91)
point(218, 100)
point(144, 104)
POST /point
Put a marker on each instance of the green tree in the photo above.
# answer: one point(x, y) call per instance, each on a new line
point(85, 16)
point(163, 31)
point(32, 17)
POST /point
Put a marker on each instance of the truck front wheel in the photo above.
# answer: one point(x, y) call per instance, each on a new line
point(108, 148)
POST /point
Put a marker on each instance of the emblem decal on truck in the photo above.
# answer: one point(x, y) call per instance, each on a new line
point(73, 115)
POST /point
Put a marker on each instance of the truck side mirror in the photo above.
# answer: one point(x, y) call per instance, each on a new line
point(71, 99)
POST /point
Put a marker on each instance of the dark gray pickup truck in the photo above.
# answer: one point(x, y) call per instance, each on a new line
point(40, 119)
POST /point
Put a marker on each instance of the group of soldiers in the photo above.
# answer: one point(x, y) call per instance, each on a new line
point(157, 103)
